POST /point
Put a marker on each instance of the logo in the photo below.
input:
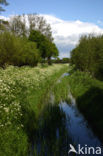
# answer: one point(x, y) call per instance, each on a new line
point(85, 150)
point(72, 149)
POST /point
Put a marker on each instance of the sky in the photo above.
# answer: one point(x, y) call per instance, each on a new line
point(69, 19)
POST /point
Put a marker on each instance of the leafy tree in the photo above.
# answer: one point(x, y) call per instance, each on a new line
point(47, 48)
point(3, 2)
point(36, 36)
point(21, 47)
point(52, 51)
point(4, 25)
point(17, 51)
point(37, 22)
point(88, 55)
point(65, 60)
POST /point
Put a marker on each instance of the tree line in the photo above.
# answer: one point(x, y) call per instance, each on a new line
point(26, 40)
point(88, 55)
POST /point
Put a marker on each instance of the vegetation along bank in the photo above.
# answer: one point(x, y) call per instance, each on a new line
point(23, 92)
point(86, 79)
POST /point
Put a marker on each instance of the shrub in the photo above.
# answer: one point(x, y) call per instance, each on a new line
point(88, 55)
point(17, 51)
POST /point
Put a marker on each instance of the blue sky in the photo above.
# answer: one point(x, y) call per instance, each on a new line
point(69, 19)
point(84, 10)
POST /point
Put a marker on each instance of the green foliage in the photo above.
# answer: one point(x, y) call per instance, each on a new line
point(40, 39)
point(47, 48)
point(88, 93)
point(3, 2)
point(38, 22)
point(88, 55)
point(63, 60)
point(17, 51)
point(61, 90)
point(13, 142)
point(18, 42)
point(3, 25)
point(89, 96)
point(23, 94)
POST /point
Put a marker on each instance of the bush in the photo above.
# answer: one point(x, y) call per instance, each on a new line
point(88, 55)
point(17, 51)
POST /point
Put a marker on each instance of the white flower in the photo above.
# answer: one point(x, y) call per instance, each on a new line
point(6, 109)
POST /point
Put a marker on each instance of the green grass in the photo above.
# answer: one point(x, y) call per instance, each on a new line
point(89, 96)
point(61, 90)
point(23, 94)
point(88, 93)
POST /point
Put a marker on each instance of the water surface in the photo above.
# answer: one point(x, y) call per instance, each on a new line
point(60, 125)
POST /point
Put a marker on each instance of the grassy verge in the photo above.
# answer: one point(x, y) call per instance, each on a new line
point(23, 92)
point(61, 90)
point(88, 93)
point(89, 96)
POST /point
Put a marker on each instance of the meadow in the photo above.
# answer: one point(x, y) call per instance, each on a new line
point(23, 92)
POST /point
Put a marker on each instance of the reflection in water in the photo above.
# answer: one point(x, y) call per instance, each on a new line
point(51, 138)
point(65, 74)
point(78, 127)
point(58, 126)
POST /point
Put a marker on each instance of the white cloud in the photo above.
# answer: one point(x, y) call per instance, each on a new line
point(4, 18)
point(67, 33)
point(100, 22)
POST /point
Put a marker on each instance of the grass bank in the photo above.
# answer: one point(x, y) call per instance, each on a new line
point(23, 92)
point(89, 97)
point(88, 93)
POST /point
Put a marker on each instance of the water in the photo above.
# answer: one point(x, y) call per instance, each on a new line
point(51, 138)
point(65, 74)
point(60, 125)
point(78, 128)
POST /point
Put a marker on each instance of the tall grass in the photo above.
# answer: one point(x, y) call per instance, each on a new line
point(23, 92)
point(89, 96)
point(88, 93)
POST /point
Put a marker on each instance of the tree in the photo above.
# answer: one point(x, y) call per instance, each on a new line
point(17, 51)
point(47, 48)
point(88, 55)
point(4, 25)
point(52, 51)
point(65, 60)
point(40, 39)
point(17, 25)
point(37, 22)
point(3, 2)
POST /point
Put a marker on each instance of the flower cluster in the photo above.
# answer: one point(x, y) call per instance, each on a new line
point(13, 82)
